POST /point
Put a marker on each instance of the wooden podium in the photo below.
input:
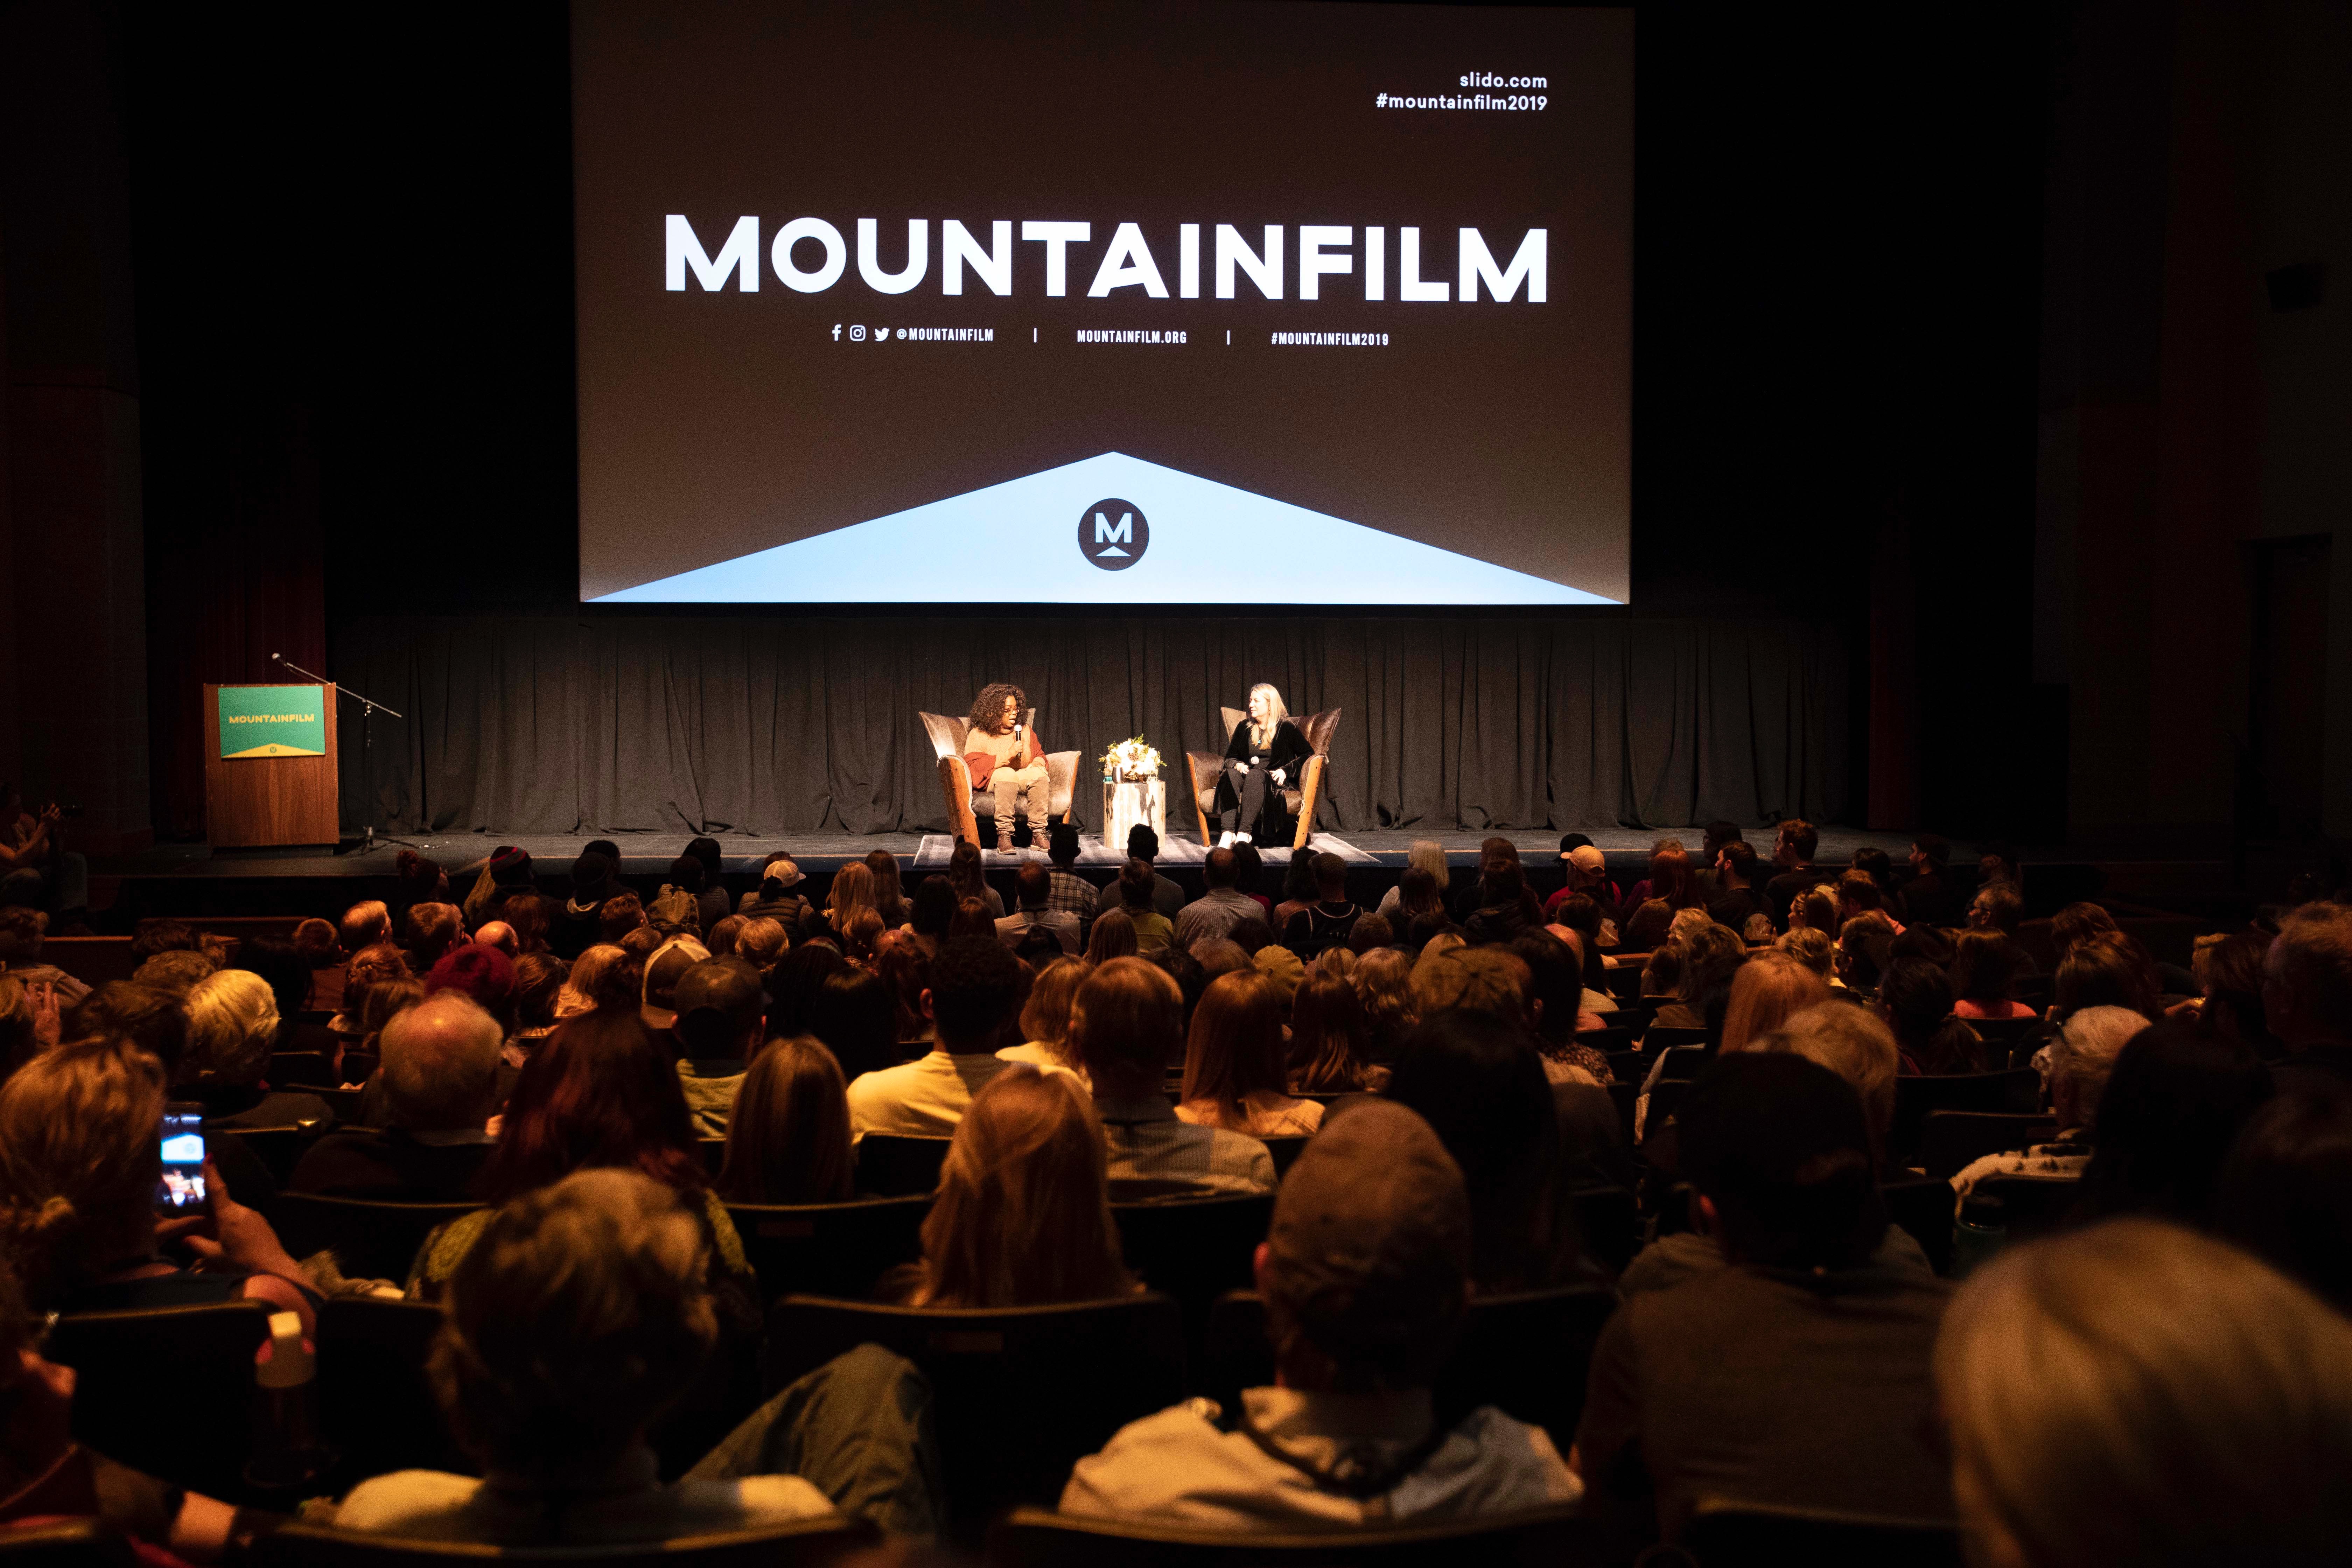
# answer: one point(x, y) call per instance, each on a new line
point(258, 800)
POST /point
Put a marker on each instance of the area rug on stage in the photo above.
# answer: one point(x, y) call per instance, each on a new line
point(1186, 851)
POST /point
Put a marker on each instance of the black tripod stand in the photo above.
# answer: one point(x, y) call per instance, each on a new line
point(367, 744)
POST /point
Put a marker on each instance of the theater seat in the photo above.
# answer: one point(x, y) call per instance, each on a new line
point(2017, 1092)
point(1020, 1395)
point(370, 1241)
point(829, 1249)
point(1922, 1208)
point(1536, 1538)
point(1194, 1249)
point(374, 1399)
point(67, 1543)
point(167, 1390)
point(891, 1167)
point(805, 1544)
point(1729, 1533)
point(1950, 1139)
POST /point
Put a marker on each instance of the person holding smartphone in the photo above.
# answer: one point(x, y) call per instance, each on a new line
point(36, 867)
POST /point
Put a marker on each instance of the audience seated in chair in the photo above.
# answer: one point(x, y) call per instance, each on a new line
point(1985, 969)
point(2172, 1108)
point(2081, 1057)
point(788, 1129)
point(1221, 906)
point(1331, 1044)
point(975, 986)
point(715, 1016)
point(2137, 1393)
point(1045, 1020)
point(232, 1021)
point(1034, 887)
point(1766, 992)
point(1797, 1376)
point(578, 1317)
point(80, 1168)
point(1022, 1216)
point(439, 1080)
point(1365, 1276)
point(1126, 1023)
point(2307, 994)
point(1233, 1063)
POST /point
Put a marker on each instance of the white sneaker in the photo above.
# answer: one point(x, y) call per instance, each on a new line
point(1241, 837)
point(1225, 840)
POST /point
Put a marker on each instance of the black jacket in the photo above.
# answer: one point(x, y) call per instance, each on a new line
point(1288, 752)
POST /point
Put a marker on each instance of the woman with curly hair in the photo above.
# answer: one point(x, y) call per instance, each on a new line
point(1007, 761)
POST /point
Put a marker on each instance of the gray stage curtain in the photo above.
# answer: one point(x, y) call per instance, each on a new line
point(806, 724)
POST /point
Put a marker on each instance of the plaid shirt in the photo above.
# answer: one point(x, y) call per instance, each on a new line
point(1076, 895)
point(1146, 1143)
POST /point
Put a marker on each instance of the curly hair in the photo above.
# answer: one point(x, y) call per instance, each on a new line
point(989, 706)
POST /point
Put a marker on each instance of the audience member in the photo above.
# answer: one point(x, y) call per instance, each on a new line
point(1470, 1075)
point(1233, 1072)
point(1222, 907)
point(759, 939)
point(1022, 1216)
point(1281, 966)
point(1811, 947)
point(580, 1320)
point(232, 1020)
point(2172, 1108)
point(1126, 1025)
point(975, 986)
point(1426, 855)
point(622, 915)
point(1739, 876)
point(1383, 986)
point(21, 932)
point(1033, 885)
point(603, 978)
point(1997, 906)
point(1330, 1044)
point(856, 1016)
point(482, 973)
point(720, 1021)
point(177, 971)
point(889, 888)
point(1799, 1375)
point(2137, 1393)
point(2105, 969)
point(1137, 891)
point(1854, 1043)
point(2229, 976)
point(2078, 1062)
point(1794, 844)
point(775, 898)
point(365, 924)
point(1711, 958)
point(1864, 946)
point(439, 1082)
point(28, 1024)
point(788, 1129)
point(80, 1165)
point(1553, 1006)
point(973, 918)
point(432, 930)
point(538, 993)
point(1587, 877)
point(1985, 969)
point(1512, 911)
point(1365, 1276)
point(1298, 890)
point(1219, 955)
point(2307, 994)
point(1671, 888)
point(1113, 937)
point(2077, 923)
point(965, 877)
point(1045, 1019)
point(711, 902)
point(1766, 992)
point(2287, 1189)
point(1914, 998)
point(726, 932)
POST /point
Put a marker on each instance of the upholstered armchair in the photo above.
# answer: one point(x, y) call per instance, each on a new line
point(966, 804)
point(1298, 796)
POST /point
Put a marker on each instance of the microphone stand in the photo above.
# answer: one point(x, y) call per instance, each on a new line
point(367, 735)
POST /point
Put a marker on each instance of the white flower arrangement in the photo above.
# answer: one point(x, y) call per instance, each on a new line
point(1132, 759)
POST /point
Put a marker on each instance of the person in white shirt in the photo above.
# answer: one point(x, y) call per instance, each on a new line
point(974, 985)
point(1215, 913)
point(1365, 1275)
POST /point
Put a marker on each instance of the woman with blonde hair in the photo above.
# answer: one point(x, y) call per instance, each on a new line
point(232, 1019)
point(1234, 1075)
point(852, 889)
point(788, 1131)
point(1383, 984)
point(1811, 946)
point(1045, 1019)
point(1022, 1217)
point(1113, 937)
point(1427, 855)
point(1766, 993)
point(1854, 1043)
point(1262, 758)
point(2137, 1393)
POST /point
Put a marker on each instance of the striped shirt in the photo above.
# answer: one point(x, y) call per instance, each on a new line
point(1146, 1143)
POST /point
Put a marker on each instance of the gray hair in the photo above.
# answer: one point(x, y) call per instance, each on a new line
point(2084, 1049)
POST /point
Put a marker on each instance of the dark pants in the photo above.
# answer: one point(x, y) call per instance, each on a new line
point(1249, 788)
point(858, 1429)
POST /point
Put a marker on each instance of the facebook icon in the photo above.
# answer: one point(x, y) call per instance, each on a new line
point(1113, 534)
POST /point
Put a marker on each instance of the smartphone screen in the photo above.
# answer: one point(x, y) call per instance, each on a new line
point(182, 1187)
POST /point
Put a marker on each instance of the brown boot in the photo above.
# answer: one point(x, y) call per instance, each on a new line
point(1004, 844)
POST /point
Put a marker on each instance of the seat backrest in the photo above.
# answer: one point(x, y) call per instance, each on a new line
point(278, 1148)
point(344, 1102)
point(946, 733)
point(1668, 1037)
point(141, 1372)
point(371, 1240)
point(67, 1543)
point(830, 1249)
point(1950, 1139)
point(1609, 1220)
point(2031, 1205)
point(300, 1067)
point(1194, 1249)
point(375, 1400)
point(1915, 1095)
point(891, 1167)
point(1286, 1151)
point(1538, 1538)
point(1608, 1041)
point(92, 960)
point(1019, 1395)
point(1922, 1208)
point(1721, 1532)
point(1319, 729)
point(802, 1543)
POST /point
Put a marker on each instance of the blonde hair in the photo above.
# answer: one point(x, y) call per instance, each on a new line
point(579, 993)
point(1045, 1017)
point(1022, 1217)
point(232, 1018)
point(17, 1039)
point(1766, 992)
point(1478, 979)
point(1274, 714)
point(1383, 983)
point(2137, 1393)
point(788, 1131)
point(852, 889)
point(758, 940)
point(80, 1163)
point(1810, 946)
point(1854, 1043)
point(1427, 855)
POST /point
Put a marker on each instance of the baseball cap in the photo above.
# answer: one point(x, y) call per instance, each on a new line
point(1585, 858)
point(1569, 843)
point(1370, 1247)
point(1282, 966)
point(716, 1001)
point(664, 970)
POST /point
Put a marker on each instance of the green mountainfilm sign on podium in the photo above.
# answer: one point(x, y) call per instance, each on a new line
point(270, 778)
point(272, 721)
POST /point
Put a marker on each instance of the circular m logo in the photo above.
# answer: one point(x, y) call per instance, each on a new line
point(1113, 534)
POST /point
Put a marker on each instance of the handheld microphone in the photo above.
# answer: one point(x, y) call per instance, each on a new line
point(276, 659)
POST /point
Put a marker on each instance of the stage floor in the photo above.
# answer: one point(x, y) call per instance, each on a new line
point(649, 854)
